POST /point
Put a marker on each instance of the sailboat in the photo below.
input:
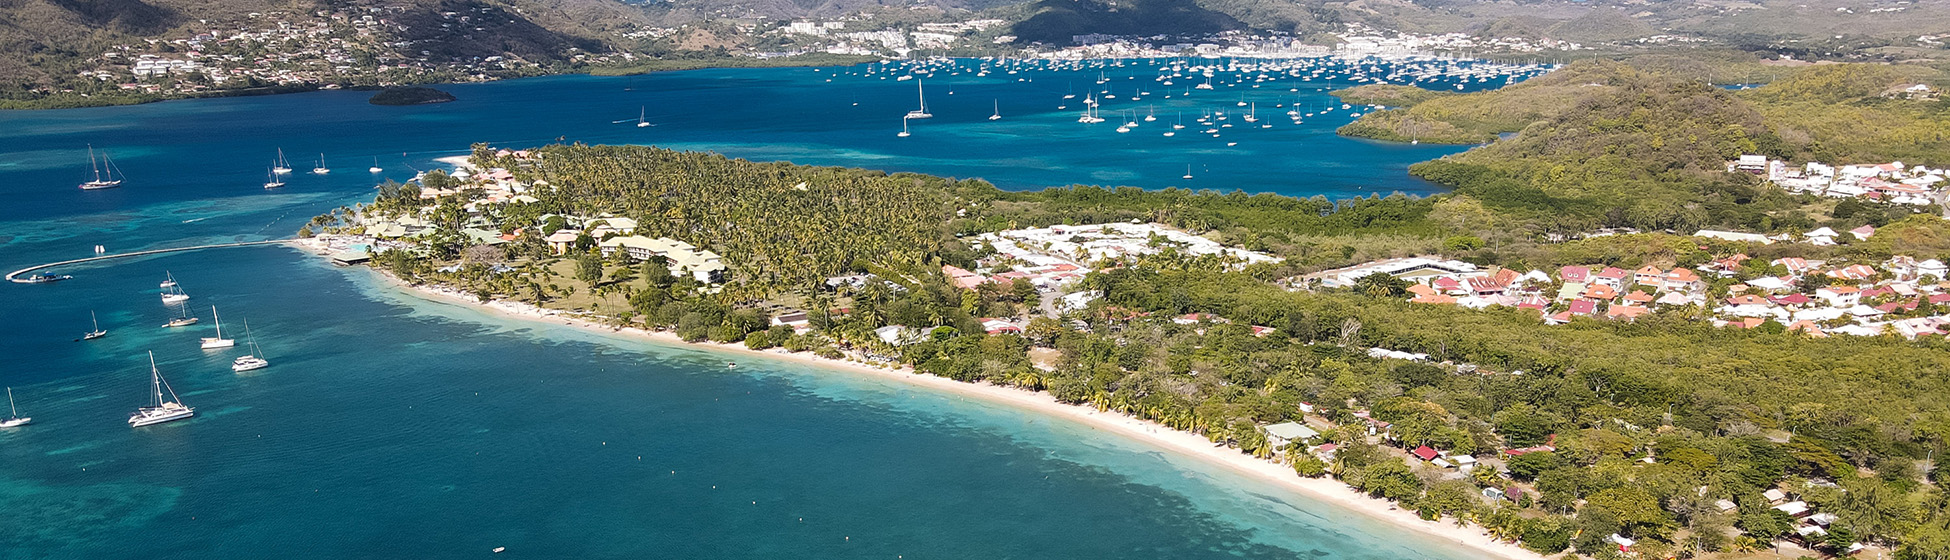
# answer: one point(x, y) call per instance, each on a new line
point(159, 410)
point(211, 342)
point(98, 332)
point(254, 360)
point(173, 293)
point(903, 133)
point(280, 166)
point(271, 181)
point(640, 114)
point(182, 320)
point(375, 166)
point(998, 111)
point(1188, 171)
point(14, 420)
point(168, 280)
point(101, 182)
point(921, 113)
point(321, 169)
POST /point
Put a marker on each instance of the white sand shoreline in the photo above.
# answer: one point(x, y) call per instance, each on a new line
point(1471, 537)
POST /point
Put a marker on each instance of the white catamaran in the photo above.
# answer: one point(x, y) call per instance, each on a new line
point(15, 420)
point(212, 342)
point(159, 410)
point(254, 360)
point(101, 181)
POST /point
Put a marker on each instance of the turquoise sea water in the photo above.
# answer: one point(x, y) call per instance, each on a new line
point(390, 427)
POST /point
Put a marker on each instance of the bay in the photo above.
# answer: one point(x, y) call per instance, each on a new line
point(394, 427)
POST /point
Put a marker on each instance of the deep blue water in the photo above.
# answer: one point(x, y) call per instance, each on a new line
point(398, 428)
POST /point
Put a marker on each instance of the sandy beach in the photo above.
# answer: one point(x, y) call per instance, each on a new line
point(1187, 444)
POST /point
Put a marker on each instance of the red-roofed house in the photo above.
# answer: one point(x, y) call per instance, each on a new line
point(1577, 274)
point(1792, 300)
point(1425, 453)
point(999, 326)
point(1449, 286)
point(1487, 286)
point(1583, 307)
point(1863, 232)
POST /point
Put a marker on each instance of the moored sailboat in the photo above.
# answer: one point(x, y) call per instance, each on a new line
point(100, 181)
point(14, 419)
point(921, 113)
point(173, 293)
point(98, 332)
point(182, 320)
point(212, 342)
point(253, 360)
point(159, 410)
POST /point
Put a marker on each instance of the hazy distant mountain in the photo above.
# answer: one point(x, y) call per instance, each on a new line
point(1057, 21)
point(43, 38)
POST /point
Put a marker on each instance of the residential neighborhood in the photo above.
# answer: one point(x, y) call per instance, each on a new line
point(1899, 296)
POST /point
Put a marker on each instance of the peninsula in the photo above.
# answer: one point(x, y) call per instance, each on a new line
point(1557, 411)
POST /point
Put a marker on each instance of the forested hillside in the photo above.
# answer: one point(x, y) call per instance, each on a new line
point(1623, 144)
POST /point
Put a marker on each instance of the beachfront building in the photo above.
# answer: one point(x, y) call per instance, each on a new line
point(1056, 256)
point(1413, 269)
point(701, 264)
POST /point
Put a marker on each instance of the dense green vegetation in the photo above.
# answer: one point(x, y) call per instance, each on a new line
point(1643, 143)
point(410, 96)
point(1057, 21)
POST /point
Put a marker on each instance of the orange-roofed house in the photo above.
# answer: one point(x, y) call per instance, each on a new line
point(962, 278)
point(1649, 275)
point(1438, 299)
point(1681, 280)
point(1638, 297)
point(1853, 272)
point(1626, 312)
point(1600, 292)
point(1808, 327)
